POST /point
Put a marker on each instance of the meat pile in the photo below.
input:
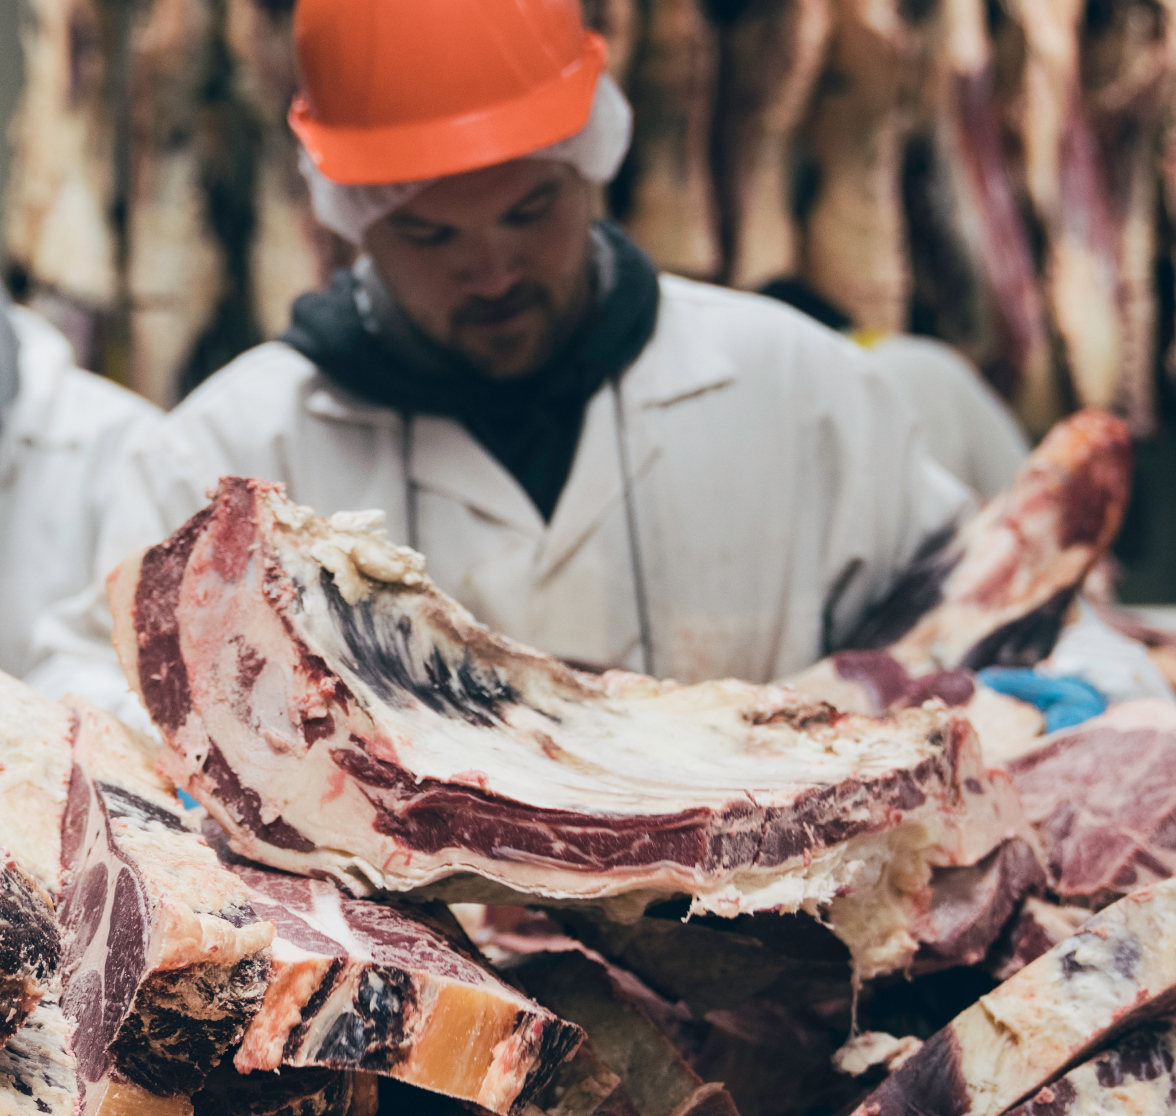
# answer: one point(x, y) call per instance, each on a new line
point(697, 892)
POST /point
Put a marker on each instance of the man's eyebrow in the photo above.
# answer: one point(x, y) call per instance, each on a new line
point(403, 219)
point(548, 187)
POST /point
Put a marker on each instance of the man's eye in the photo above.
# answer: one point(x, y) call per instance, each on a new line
point(427, 237)
point(527, 214)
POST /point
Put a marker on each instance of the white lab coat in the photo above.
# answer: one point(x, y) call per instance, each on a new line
point(970, 430)
point(769, 462)
point(60, 440)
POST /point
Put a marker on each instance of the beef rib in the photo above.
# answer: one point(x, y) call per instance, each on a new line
point(359, 985)
point(340, 716)
point(1118, 970)
point(164, 961)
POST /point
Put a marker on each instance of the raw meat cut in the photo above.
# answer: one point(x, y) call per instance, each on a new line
point(855, 251)
point(1103, 798)
point(295, 1092)
point(770, 56)
point(164, 962)
point(655, 1076)
point(671, 205)
point(975, 284)
point(1118, 970)
point(36, 742)
point(36, 750)
point(1039, 926)
point(1134, 1077)
point(996, 590)
point(30, 945)
point(359, 985)
point(37, 1070)
point(338, 715)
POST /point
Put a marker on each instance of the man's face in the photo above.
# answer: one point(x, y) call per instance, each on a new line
point(493, 264)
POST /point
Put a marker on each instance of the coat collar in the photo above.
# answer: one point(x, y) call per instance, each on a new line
point(680, 363)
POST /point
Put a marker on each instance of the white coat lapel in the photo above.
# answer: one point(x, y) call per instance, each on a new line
point(662, 376)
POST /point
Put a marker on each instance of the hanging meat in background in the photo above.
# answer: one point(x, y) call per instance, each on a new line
point(666, 196)
point(60, 192)
point(176, 265)
point(1094, 84)
point(617, 21)
point(290, 253)
point(1128, 62)
point(975, 281)
point(770, 56)
point(855, 251)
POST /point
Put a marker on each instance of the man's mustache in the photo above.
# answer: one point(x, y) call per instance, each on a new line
point(524, 295)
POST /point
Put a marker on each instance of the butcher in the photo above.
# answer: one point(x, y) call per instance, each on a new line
point(622, 468)
point(62, 432)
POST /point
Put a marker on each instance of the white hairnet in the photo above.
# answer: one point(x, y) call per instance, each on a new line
point(595, 151)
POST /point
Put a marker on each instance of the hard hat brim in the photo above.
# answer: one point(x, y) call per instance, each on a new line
point(454, 145)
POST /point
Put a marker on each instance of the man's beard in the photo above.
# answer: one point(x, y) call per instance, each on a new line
point(512, 354)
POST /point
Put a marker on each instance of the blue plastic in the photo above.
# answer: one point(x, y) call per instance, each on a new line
point(188, 801)
point(1065, 701)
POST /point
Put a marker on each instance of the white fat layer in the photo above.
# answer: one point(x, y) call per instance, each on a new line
point(36, 740)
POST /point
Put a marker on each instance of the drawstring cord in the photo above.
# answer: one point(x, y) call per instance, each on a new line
point(638, 567)
point(410, 485)
point(640, 590)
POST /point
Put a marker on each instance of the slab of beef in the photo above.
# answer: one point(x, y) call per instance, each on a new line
point(855, 250)
point(1133, 1077)
point(1038, 927)
point(37, 1069)
point(770, 56)
point(36, 745)
point(359, 985)
point(36, 741)
point(30, 945)
point(338, 715)
point(975, 284)
point(164, 963)
point(294, 1092)
point(671, 206)
point(1117, 971)
point(996, 590)
point(1103, 798)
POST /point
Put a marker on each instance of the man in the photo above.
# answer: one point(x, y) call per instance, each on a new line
point(62, 431)
point(619, 468)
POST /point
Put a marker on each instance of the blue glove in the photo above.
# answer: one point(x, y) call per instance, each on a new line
point(1065, 701)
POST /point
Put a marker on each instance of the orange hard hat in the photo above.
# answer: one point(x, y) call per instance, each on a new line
point(404, 90)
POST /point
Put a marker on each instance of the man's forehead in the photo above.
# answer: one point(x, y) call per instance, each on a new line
point(482, 195)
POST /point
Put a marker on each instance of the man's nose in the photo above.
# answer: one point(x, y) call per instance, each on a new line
point(492, 266)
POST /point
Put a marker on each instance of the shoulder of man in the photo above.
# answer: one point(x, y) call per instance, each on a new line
point(61, 401)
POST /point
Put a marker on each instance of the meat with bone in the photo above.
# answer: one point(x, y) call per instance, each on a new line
point(36, 740)
point(1133, 1077)
point(38, 1073)
point(996, 590)
point(165, 963)
point(770, 56)
point(671, 210)
point(855, 237)
point(296, 1092)
point(364, 986)
point(1103, 798)
point(357, 723)
point(1117, 971)
point(971, 257)
point(30, 946)
point(36, 750)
